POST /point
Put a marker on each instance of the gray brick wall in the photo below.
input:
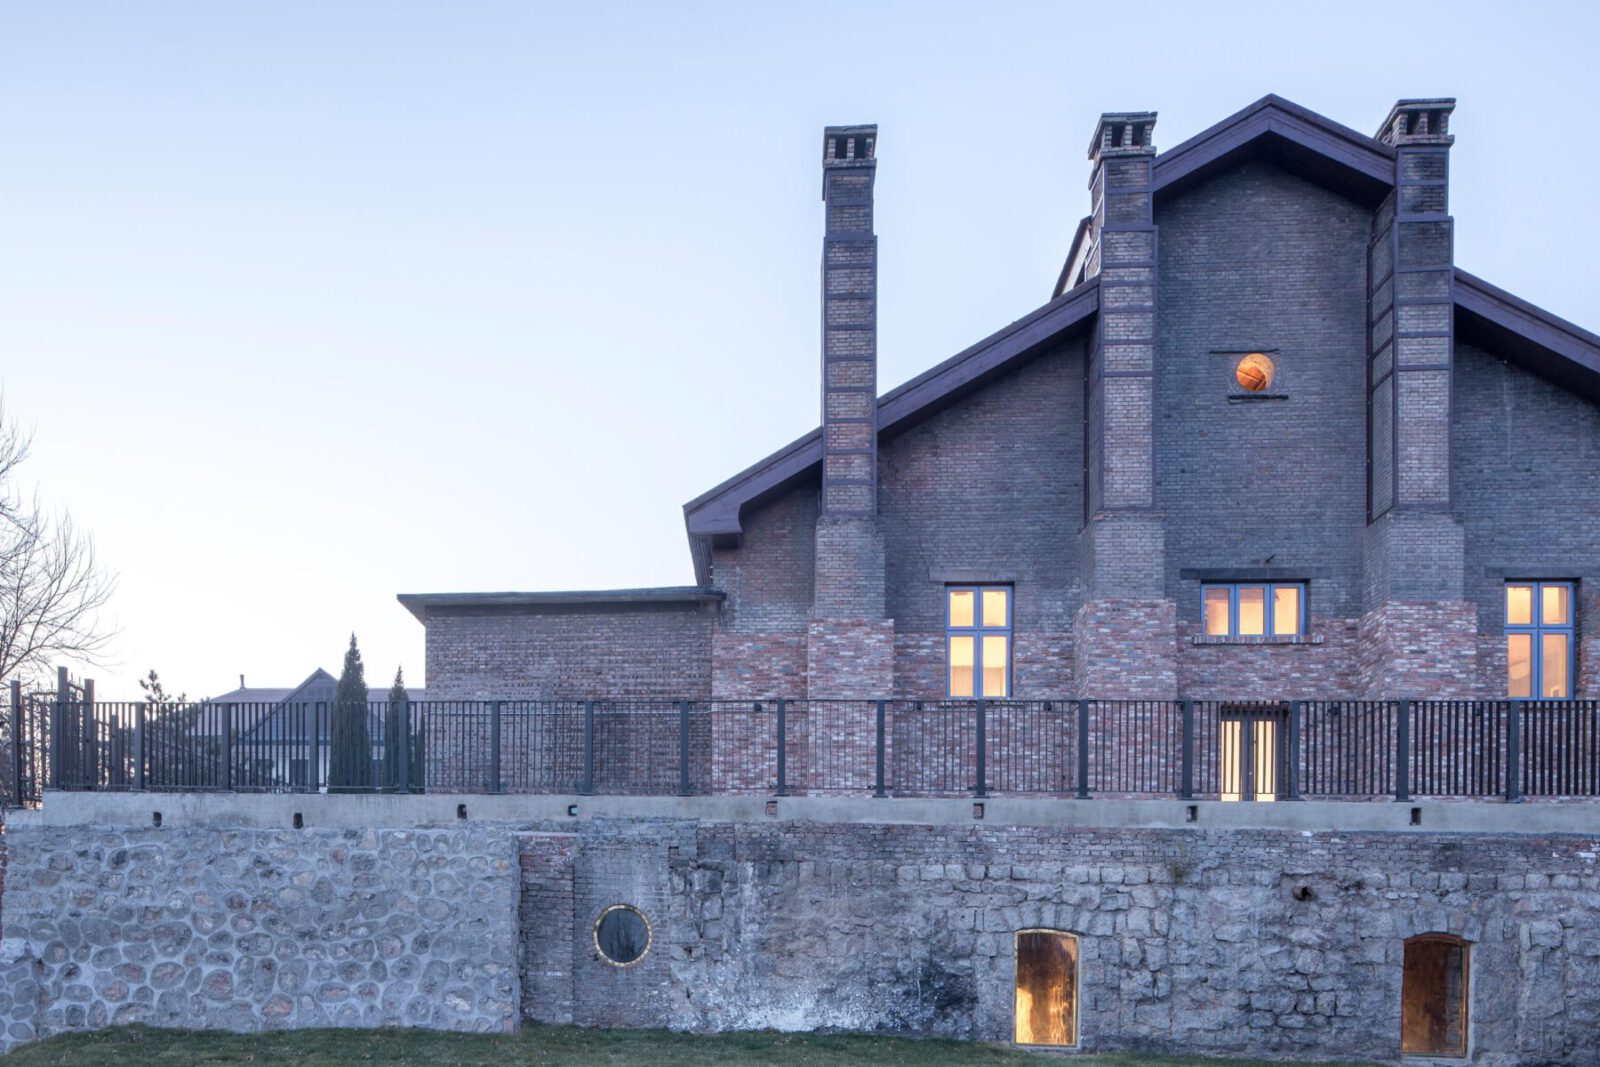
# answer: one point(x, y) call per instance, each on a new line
point(1259, 257)
point(646, 650)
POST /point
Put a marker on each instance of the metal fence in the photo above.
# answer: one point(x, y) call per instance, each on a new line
point(1282, 750)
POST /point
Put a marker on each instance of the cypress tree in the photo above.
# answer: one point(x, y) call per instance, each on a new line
point(396, 732)
point(350, 749)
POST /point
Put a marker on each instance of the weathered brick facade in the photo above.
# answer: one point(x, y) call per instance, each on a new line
point(1424, 439)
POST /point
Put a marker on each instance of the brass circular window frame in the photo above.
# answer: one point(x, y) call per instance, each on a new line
point(1261, 359)
point(649, 936)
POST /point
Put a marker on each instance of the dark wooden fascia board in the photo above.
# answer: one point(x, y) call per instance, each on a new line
point(419, 604)
point(715, 515)
point(1350, 162)
point(1508, 326)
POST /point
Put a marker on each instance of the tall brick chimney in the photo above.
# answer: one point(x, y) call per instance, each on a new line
point(1126, 631)
point(850, 642)
point(849, 323)
point(1415, 555)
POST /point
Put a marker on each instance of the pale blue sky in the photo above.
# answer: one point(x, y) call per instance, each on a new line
point(314, 303)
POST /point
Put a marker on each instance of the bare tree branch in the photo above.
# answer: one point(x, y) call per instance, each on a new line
point(52, 588)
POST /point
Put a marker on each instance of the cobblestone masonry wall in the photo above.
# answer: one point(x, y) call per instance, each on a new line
point(1263, 942)
point(251, 930)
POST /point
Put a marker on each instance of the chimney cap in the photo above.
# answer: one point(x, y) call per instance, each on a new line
point(850, 146)
point(1423, 121)
point(1123, 133)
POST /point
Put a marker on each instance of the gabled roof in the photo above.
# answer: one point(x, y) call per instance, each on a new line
point(1529, 336)
point(713, 517)
point(1295, 138)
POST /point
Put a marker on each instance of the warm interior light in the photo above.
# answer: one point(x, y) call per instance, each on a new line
point(1556, 605)
point(1519, 605)
point(961, 664)
point(994, 665)
point(1047, 988)
point(994, 607)
point(1254, 372)
point(1216, 610)
point(1519, 665)
point(961, 607)
point(1553, 658)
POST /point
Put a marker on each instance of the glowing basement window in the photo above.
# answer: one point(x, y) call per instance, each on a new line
point(1539, 640)
point(1253, 609)
point(622, 935)
point(1047, 988)
point(1254, 372)
point(978, 641)
point(1433, 996)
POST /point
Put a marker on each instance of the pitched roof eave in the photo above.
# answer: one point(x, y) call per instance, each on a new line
point(1533, 338)
point(714, 516)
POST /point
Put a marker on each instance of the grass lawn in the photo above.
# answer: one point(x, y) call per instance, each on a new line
point(544, 1046)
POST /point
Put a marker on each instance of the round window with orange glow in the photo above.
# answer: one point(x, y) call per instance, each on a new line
point(1254, 372)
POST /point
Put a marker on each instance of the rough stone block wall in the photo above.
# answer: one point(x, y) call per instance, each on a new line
point(641, 652)
point(545, 912)
point(1260, 943)
point(253, 929)
point(1126, 649)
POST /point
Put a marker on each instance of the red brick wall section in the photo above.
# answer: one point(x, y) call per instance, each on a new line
point(846, 660)
point(546, 914)
point(1322, 665)
point(1126, 649)
point(1041, 666)
point(757, 666)
point(1424, 649)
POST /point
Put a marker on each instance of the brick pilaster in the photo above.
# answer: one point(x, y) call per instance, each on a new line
point(1125, 636)
point(1417, 635)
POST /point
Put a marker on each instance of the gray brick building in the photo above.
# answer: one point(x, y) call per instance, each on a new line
point(1264, 441)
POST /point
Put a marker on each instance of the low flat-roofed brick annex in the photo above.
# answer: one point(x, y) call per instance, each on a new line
point(1098, 459)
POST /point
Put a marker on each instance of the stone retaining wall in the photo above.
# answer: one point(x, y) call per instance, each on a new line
point(1271, 942)
point(253, 929)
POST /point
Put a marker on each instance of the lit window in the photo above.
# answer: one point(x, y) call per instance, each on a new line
point(1539, 640)
point(1254, 609)
point(1047, 988)
point(1254, 372)
point(1433, 996)
point(978, 637)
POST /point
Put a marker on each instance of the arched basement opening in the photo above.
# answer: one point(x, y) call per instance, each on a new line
point(1433, 996)
point(1047, 988)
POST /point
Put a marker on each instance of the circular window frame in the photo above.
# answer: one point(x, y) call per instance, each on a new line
point(649, 936)
point(1255, 358)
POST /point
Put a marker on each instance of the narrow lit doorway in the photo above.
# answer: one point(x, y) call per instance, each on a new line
point(1251, 736)
point(1433, 996)
point(1047, 988)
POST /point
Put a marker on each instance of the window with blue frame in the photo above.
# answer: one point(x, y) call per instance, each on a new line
point(1539, 640)
point(1253, 609)
point(978, 641)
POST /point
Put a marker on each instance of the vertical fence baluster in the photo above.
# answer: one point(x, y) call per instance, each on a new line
point(1514, 752)
point(683, 748)
point(1186, 771)
point(1292, 772)
point(586, 784)
point(494, 746)
point(1083, 750)
point(1402, 752)
point(982, 788)
point(783, 749)
point(878, 789)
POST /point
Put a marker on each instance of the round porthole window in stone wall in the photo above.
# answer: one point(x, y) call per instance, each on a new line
point(622, 935)
point(1254, 372)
